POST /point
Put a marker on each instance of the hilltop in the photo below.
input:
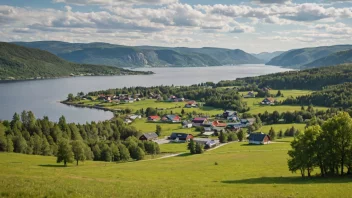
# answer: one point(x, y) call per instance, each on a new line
point(17, 63)
point(140, 56)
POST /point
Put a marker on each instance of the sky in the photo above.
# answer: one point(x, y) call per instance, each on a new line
point(254, 25)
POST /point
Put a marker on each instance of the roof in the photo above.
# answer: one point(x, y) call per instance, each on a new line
point(257, 137)
point(172, 117)
point(179, 135)
point(217, 123)
point(154, 117)
point(191, 102)
point(270, 99)
point(200, 119)
point(150, 135)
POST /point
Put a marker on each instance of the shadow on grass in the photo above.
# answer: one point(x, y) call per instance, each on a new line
point(184, 155)
point(53, 165)
point(289, 180)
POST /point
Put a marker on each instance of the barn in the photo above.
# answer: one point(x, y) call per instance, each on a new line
point(258, 138)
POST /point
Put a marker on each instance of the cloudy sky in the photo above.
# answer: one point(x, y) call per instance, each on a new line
point(252, 25)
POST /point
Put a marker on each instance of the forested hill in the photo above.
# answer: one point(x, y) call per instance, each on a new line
point(312, 57)
point(333, 59)
point(140, 56)
point(314, 79)
point(17, 63)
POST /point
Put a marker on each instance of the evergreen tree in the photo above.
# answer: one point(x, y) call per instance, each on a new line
point(64, 153)
point(281, 134)
point(272, 133)
point(158, 130)
point(199, 148)
point(222, 137)
point(240, 135)
point(192, 146)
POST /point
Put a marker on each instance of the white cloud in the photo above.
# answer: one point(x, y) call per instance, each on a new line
point(114, 2)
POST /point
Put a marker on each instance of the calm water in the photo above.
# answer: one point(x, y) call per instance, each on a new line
point(42, 96)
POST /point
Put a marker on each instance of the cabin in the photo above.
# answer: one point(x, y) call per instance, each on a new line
point(153, 118)
point(171, 118)
point(181, 137)
point(250, 94)
point(191, 104)
point(268, 101)
point(258, 138)
point(149, 136)
point(199, 121)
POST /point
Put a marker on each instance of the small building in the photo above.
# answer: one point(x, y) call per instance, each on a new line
point(217, 123)
point(208, 143)
point(149, 136)
point(181, 137)
point(199, 121)
point(258, 138)
point(187, 124)
point(229, 113)
point(268, 101)
point(171, 118)
point(191, 104)
point(133, 117)
point(250, 94)
point(154, 118)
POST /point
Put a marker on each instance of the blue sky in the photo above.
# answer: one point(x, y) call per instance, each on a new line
point(253, 25)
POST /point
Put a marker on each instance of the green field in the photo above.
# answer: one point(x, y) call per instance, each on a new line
point(242, 171)
point(283, 127)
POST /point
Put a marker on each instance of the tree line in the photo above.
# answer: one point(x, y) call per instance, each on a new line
point(100, 141)
point(327, 148)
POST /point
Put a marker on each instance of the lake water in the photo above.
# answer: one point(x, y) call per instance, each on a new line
point(42, 96)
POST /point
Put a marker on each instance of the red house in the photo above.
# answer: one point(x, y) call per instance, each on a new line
point(218, 124)
point(153, 118)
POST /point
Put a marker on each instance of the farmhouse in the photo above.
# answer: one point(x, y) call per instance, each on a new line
point(191, 104)
point(250, 94)
point(199, 121)
point(230, 115)
point(171, 118)
point(149, 136)
point(258, 138)
point(153, 118)
point(268, 101)
point(180, 137)
point(217, 123)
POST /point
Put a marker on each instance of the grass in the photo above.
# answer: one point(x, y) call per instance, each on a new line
point(173, 148)
point(242, 171)
point(283, 127)
point(256, 108)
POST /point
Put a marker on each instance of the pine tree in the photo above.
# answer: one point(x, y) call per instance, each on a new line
point(158, 130)
point(191, 146)
point(199, 148)
point(272, 134)
point(240, 135)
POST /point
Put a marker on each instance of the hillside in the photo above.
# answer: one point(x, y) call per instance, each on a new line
point(17, 62)
point(298, 58)
point(333, 59)
point(140, 56)
point(267, 56)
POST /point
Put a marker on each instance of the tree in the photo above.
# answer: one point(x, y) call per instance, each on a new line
point(240, 135)
point(281, 134)
point(272, 134)
point(158, 130)
point(232, 137)
point(106, 154)
point(70, 97)
point(78, 149)
point(192, 146)
point(9, 144)
point(3, 141)
point(278, 93)
point(299, 119)
point(222, 137)
point(124, 153)
point(64, 153)
point(199, 148)
point(182, 112)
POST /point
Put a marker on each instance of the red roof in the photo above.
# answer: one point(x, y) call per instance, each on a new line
point(219, 124)
point(154, 117)
point(191, 102)
point(199, 119)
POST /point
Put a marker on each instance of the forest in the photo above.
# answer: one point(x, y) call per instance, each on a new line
point(101, 141)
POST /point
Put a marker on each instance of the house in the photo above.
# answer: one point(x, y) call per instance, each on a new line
point(217, 123)
point(187, 124)
point(153, 118)
point(171, 118)
point(268, 101)
point(208, 133)
point(191, 104)
point(133, 117)
point(258, 138)
point(199, 121)
point(180, 137)
point(248, 121)
point(229, 114)
point(149, 136)
point(208, 143)
point(250, 94)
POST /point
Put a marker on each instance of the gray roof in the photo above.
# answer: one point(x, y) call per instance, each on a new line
point(150, 135)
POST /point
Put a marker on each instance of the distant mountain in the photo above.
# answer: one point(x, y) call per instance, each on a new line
point(267, 56)
point(140, 56)
point(17, 63)
point(333, 59)
point(298, 58)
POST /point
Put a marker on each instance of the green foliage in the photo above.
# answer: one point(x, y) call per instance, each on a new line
point(223, 137)
point(192, 146)
point(241, 135)
point(199, 148)
point(78, 149)
point(158, 130)
point(232, 136)
point(64, 153)
point(272, 134)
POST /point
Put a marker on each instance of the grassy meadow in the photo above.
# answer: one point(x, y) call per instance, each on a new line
point(242, 171)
